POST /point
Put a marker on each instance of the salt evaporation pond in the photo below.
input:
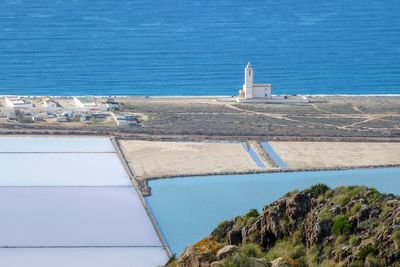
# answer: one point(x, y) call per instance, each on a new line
point(69, 202)
point(74, 217)
point(188, 209)
point(55, 144)
point(62, 169)
point(82, 257)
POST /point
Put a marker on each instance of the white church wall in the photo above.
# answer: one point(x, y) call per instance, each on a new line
point(261, 91)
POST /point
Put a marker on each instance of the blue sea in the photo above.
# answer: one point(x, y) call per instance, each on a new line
point(188, 47)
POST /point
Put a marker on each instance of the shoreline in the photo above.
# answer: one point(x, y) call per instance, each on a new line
point(199, 96)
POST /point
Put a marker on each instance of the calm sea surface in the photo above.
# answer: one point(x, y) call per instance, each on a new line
point(192, 47)
point(188, 209)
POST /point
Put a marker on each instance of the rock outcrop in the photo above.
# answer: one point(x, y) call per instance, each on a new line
point(348, 226)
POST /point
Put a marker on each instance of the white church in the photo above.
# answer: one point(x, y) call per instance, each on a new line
point(252, 92)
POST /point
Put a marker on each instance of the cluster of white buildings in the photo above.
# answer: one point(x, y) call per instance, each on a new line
point(63, 109)
point(17, 102)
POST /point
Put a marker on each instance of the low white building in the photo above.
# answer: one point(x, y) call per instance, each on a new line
point(17, 102)
point(251, 90)
point(84, 102)
point(50, 103)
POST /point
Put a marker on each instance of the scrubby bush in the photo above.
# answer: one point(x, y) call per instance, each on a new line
point(317, 189)
point(355, 240)
point(325, 216)
point(356, 208)
point(396, 239)
point(252, 213)
point(251, 250)
point(341, 226)
point(222, 230)
point(312, 256)
point(297, 238)
point(329, 263)
point(340, 242)
point(372, 261)
point(286, 248)
point(356, 263)
point(239, 221)
point(373, 194)
point(368, 250)
point(343, 195)
point(291, 193)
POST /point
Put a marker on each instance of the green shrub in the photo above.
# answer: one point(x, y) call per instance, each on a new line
point(297, 238)
point(344, 194)
point(291, 193)
point(327, 251)
point(239, 221)
point(251, 250)
point(373, 194)
point(366, 251)
point(386, 210)
point(370, 223)
point(325, 216)
point(286, 248)
point(341, 226)
point(355, 240)
point(356, 263)
point(221, 231)
point(252, 213)
point(396, 239)
point(356, 208)
point(373, 261)
point(280, 249)
point(328, 263)
point(317, 189)
point(251, 220)
point(312, 256)
point(229, 262)
point(340, 241)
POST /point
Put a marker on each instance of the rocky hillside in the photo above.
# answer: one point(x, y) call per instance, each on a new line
point(346, 226)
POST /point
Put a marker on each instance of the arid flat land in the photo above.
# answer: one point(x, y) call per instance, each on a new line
point(344, 118)
point(150, 159)
point(316, 155)
point(326, 117)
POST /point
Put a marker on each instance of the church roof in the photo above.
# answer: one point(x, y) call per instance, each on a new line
point(249, 66)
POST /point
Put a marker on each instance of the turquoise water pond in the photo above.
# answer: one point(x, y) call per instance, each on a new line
point(187, 209)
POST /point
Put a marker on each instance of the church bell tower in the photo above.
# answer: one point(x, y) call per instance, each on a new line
point(248, 81)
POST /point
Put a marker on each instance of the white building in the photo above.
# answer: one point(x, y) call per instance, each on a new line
point(50, 103)
point(84, 102)
point(251, 90)
point(17, 102)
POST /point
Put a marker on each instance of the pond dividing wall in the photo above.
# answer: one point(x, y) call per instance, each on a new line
point(69, 202)
point(275, 157)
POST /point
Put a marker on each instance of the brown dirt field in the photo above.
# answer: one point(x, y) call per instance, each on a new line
point(150, 159)
point(314, 155)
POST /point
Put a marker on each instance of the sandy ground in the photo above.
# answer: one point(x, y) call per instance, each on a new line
point(302, 155)
point(159, 159)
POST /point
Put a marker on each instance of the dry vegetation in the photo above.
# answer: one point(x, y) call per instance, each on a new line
point(327, 117)
point(330, 118)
